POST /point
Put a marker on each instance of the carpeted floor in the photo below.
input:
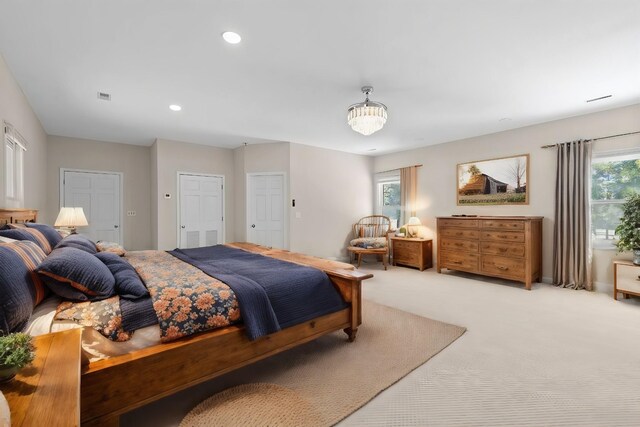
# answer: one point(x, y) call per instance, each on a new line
point(546, 357)
point(330, 378)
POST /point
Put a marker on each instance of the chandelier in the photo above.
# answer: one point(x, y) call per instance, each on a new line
point(367, 117)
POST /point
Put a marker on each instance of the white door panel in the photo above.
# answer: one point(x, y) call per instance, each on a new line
point(99, 196)
point(201, 210)
point(265, 207)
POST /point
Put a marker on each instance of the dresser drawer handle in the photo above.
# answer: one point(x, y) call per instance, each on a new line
point(503, 249)
point(501, 267)
point(456, 262)
point(459, 245)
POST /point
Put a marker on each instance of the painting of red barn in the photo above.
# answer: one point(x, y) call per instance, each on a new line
point(501, 181)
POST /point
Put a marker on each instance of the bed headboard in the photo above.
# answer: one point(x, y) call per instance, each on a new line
point(12, 216)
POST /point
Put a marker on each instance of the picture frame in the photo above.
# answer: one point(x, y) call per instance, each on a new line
point(499, 181)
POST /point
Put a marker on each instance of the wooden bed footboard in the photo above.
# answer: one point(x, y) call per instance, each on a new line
point(119, 384)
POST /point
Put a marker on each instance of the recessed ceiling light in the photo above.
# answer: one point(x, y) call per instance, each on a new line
point(175, 107)
point(231, 37)
point(505, 119)
point(372, 149)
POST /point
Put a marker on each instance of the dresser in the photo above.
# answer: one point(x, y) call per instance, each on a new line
point(412, 252)
point(626, 278)
point(509, 247)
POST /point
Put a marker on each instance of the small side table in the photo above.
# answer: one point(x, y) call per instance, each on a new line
point(412, 252)
point(47, 393)
point(626, 278)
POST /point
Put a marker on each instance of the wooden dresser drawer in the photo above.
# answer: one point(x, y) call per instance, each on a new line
point(460, 233)
point(400, 244)
point(462, 223)
point(459, 245)
point(503, 266)
point(628, 278)
point(503, 225)
point(502, 236)
point(459, 261)
point(500, 248)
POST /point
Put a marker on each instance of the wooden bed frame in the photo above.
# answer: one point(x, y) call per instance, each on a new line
point(119, 384)
point(113, 386)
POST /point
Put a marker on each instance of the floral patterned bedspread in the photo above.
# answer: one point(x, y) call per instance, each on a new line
point(185, 299)
point(104, 316)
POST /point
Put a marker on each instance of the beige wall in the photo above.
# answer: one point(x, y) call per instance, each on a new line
point(173, 157)
point(131, 160)
point(437, 177)
point(15, 109)
point(153, 151)
point(256, 158)
point(332, 190)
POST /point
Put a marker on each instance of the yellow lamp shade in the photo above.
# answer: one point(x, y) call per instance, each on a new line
point(71, 218)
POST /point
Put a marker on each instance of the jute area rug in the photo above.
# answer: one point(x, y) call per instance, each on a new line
point(322, 382)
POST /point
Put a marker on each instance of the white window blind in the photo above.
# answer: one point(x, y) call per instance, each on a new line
point(14, 148)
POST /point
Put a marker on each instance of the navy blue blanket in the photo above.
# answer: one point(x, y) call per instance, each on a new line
point(272, 294)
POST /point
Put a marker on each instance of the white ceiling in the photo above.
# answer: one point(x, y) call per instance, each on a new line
point(445, 69)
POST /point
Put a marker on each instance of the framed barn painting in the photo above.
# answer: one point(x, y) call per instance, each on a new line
point(503, 181)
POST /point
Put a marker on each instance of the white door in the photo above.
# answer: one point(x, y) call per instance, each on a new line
point(265, 210)
point(201, 210)
point(99, 196)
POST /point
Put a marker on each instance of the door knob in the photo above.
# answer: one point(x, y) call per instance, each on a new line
point(253, 226)
point(182, 226)
point(115, 226)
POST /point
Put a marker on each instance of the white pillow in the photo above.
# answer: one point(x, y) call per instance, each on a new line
point(7, 240)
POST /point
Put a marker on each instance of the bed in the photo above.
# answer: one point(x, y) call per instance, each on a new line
point(114, 385)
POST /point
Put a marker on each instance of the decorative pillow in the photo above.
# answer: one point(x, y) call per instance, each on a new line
point(20, 287)
point(30, 234)
point(52, 235)
point(113, 247)
point(128, 283)
point(369, 242)
point(78, 241)
point(76, 274)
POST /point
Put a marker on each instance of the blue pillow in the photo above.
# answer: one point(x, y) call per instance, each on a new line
point(77, 275)
point(79, 242)
point(20, 288)
point(48, 231)
point(31, 235)
point(128, 283)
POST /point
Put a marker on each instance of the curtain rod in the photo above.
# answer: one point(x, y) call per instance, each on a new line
point(595, 139)
point(397, 169)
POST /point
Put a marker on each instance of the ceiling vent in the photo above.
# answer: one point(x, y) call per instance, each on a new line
point(598, 99)
point(104, 96)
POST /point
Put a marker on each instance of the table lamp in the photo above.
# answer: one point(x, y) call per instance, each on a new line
point(412, 226)
point(70, 218)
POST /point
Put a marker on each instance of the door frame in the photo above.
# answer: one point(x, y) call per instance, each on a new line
point(224, 202)
point(121, 176)
point(285, 203)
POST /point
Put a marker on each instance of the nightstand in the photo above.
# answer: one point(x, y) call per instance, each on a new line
point(47, 393)
point(412, 252)
point(626, 278)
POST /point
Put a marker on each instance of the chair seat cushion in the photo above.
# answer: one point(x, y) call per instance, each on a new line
point(370, 242)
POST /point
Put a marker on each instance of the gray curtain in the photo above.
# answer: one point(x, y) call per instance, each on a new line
point(572, 234)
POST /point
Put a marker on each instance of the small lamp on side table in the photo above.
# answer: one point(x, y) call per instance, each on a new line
point(70, 218)
point(413, 226)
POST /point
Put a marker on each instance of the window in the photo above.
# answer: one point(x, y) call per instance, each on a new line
point(614, 176)
point(387, 194)
point(14, 148)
